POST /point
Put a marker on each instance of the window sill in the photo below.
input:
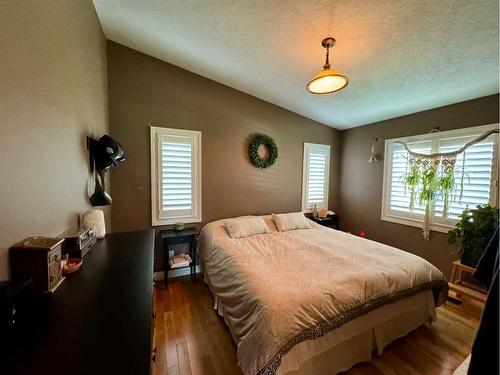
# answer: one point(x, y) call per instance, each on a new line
point(170, 221)
point(437, 227)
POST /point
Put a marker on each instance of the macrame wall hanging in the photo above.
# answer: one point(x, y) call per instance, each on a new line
point(429, 176)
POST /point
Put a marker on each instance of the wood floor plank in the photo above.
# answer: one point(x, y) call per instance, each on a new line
point(192, 339)
point(172, 337)
point(174, 370)
point(418, 359)
point(446, 357)
point(389, 361)
point(159, 342)
point(365, 369)
point(208, 367)
point(192, 331)
point(183, 359)
point(382, 366)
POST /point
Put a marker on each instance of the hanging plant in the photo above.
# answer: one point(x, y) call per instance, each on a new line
point(428, 178)
point(411, 181)
point(432, 176)
point(253, 151)
point(446, 183)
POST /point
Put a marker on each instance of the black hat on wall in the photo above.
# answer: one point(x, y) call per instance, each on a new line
point(104, 154)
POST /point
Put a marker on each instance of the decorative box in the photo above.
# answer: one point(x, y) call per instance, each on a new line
point(38, 259)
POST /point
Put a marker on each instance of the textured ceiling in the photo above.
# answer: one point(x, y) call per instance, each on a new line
point(401, 56)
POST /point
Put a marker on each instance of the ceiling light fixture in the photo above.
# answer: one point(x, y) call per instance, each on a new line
point(328, 80)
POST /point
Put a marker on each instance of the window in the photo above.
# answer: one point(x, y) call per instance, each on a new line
point(480, 180)
point(175, 176)
point(315, 176)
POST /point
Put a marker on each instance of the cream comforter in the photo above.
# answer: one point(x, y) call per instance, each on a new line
point(279, 289)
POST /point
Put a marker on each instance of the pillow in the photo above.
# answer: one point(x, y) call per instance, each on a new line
point(291, 221)
point(244, 227)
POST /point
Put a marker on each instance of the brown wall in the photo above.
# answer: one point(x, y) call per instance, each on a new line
point(53, 82)
point(360, 200)
point(145, 91)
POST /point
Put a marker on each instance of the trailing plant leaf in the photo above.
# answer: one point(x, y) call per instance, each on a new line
point(429, 186)
point(412, 180)
point(446, 185)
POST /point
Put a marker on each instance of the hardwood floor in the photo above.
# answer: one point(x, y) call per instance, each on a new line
point(192, 339)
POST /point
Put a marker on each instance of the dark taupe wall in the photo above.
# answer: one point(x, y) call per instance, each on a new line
point(145, 91)
point(53, 83)
point(360, 201)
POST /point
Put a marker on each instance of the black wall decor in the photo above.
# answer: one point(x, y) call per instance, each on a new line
point(104, 154)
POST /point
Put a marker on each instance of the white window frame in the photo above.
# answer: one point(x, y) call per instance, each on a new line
point(392, 216)
point(158, 216)
point(305, 175)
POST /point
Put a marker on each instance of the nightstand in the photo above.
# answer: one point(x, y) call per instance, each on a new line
point(331, 221)
point(172, 237)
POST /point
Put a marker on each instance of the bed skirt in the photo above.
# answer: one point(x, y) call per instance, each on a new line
point(356, 340)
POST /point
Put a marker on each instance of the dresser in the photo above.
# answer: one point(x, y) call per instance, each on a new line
point(99, 321)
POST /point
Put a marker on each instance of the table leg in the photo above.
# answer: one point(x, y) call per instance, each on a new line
point(453, 273)
point(165, 261)
point(194, 259)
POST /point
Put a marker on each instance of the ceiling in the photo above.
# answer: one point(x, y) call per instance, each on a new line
point(400, 57)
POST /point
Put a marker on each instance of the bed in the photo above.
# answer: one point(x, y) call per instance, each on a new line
point(314, 301)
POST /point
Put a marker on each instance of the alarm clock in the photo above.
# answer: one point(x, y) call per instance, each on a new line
point(78, 241)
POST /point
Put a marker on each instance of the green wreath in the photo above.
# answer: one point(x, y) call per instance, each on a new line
point(253, 151)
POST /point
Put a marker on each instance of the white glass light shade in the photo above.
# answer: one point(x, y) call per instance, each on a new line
point(327, 81)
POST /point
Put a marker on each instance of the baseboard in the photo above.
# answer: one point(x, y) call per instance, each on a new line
point(174, 273)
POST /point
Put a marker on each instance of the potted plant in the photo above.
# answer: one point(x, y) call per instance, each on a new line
point(473, 232)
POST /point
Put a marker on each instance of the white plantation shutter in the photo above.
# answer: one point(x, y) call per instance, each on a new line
point(176, 175)
point(316, 169)
point(477, 177)
point(399, 200)
point(479, 182)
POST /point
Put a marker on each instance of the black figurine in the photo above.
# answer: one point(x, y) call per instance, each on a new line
point(104, 154)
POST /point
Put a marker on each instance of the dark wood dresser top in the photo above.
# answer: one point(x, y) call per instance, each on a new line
point(99, 321)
